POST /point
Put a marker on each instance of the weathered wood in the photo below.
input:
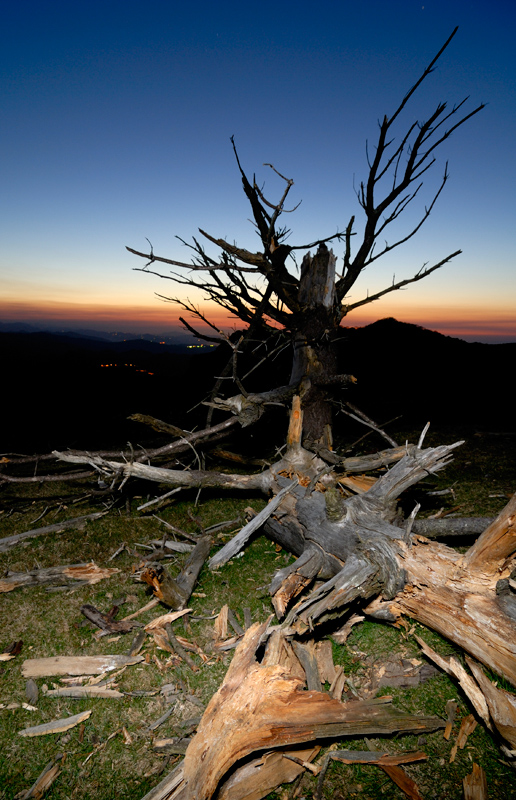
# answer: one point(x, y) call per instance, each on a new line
point(84, 692)
point(502, 704)
point(56, 726)
point(75, 665)
point(78, 522)
point(475, 784)
point(261, 706)
point(262, 775)
point(175, 477)
point(457, 603)
point(238, 542)
point(107, 622)
point(451, 527)
point(69, 575)
point(45, 779)
point(175, 592)
point(497, 543)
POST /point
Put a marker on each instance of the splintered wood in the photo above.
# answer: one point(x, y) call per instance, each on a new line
point(260, 706)
point(66, 575)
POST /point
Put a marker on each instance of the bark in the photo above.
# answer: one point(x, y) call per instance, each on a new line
point(451, 527)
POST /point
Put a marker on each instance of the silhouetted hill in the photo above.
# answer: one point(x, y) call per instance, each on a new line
point(422, 374)
point(61, 391)
point(64, 391)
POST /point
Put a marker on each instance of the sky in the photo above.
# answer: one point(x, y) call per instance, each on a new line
point(116, 126)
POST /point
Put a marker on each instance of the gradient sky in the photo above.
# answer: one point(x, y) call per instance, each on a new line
point(116, 125)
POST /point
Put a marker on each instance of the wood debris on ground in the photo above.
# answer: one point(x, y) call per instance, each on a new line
point(69, 575)
point(57, 725)
point(76, 665)
point(259, 705)
point(45, 779)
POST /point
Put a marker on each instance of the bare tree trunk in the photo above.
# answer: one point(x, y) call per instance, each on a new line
point(314, 367)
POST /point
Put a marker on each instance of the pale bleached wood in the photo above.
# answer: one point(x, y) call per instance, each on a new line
point(57, 725)
point(76, 665)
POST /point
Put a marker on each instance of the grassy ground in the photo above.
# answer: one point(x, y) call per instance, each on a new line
point(111, 754)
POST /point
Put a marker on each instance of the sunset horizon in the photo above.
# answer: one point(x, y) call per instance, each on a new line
point(119, 135)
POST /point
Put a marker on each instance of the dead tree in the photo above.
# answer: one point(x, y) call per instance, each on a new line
point(265, 291)
point(356, 545)
point(352, 551)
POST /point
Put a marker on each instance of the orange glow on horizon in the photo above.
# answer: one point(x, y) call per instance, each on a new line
point(156, 317)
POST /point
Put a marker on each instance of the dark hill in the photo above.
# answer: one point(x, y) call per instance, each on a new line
point(64, 391)
point(406, 369)
point(61, 391)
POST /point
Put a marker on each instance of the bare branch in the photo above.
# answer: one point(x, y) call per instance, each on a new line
point(423, 273)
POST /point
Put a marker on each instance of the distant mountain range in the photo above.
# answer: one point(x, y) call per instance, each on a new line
point(174, 337)
point(77, 389)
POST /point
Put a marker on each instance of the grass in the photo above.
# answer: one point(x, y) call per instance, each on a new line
point(111, 754)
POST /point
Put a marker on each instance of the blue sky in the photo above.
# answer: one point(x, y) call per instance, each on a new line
point(116, 125)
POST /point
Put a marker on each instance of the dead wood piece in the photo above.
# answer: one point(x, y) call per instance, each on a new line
point(308, 660)
point(164, 619)
point(164, 587)
point(220, 626)
point(137, 643)
point(467, 726)
point(358, 483)
point(175, 593)
point(466, 682)
point(502, 704)
point(179, 649)
point(187, 578)
point(76, 665)
point(497, 543)
point(32, 691)
point(57, 726)
point(289, 582)
point(451, 527)
point(386, 761)
point(459, 604)
point(342, 634)
point(70, 575)
point(237, 542)
point(175, 746)
point(44, 780)
point(80, 692)
point(106, 622)
point(475, 784)
point(260, 706)
point(78, 522)
point(115, 470)
point(325, 665)
point(261, 776)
